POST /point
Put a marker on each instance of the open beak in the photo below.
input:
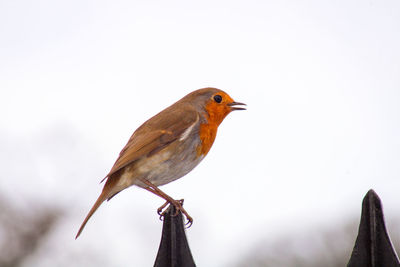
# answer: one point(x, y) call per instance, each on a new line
point(233, 104)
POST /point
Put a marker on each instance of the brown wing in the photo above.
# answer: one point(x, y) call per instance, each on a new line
point(156, 133)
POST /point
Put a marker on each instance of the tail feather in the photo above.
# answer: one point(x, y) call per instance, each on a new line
point(110, 189)
point(103, 196)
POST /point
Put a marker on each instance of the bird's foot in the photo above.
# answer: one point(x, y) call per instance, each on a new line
point(178, 204)
point(161, 208)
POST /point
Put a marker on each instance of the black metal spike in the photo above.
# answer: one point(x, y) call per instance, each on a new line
point(174, 249)
point(373, 247)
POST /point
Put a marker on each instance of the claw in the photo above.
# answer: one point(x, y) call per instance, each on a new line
point(161, 208)
point(189, 222)
point(178, 207)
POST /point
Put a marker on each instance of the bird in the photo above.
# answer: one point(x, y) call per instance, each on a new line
point(168, 146)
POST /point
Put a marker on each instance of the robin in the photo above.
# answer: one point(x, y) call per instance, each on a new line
point(168, 146)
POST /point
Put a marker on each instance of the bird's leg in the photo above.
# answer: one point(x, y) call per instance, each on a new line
point(160, 209)
point(177, 203)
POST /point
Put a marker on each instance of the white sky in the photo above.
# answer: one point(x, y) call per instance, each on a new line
point(322, 84)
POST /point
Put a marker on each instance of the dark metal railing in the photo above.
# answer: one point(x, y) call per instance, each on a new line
point(372, 248)
point(174, 249)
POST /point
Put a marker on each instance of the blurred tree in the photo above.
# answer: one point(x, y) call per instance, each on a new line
point(314, 248)
point(23, 231)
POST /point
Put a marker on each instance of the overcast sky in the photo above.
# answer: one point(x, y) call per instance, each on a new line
point(322, 84)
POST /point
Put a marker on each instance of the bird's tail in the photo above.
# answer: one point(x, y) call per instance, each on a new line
point(103, 196)
point(110, 189)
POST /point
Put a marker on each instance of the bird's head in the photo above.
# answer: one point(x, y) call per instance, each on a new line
point(215, 102)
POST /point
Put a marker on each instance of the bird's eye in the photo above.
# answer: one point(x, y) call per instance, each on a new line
point(218, 98)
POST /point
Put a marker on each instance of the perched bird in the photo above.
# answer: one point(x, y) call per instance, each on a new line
point(168, 146)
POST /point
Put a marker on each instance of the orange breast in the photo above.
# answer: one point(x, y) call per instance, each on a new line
point(208, 132)
point(216, 114)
